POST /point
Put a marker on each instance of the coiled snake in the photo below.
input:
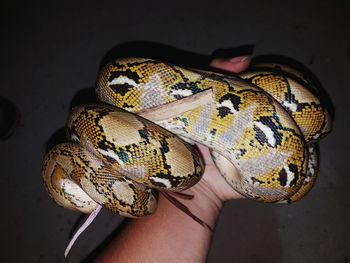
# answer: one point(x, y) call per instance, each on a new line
point(264, 123)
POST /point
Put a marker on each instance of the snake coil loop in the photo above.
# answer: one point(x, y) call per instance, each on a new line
point(265, 123)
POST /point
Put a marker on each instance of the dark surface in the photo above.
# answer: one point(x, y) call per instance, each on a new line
point(51, 52)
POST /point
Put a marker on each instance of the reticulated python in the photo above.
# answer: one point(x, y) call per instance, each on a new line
point(264, 123)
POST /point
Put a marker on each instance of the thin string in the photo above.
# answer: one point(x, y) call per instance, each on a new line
point(82, 228)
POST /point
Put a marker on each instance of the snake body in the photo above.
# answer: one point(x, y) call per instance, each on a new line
point(265, 123)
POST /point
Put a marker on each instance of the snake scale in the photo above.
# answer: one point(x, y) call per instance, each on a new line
point(265, 123)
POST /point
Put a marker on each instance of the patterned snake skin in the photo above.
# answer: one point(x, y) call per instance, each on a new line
point(264, 123)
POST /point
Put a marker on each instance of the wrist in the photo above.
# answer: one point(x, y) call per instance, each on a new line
point(205, 204)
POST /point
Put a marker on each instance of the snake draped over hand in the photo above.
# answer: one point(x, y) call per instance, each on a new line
point(265, 123)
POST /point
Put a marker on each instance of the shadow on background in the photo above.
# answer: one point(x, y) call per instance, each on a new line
point(171, 54)
point(82, 97)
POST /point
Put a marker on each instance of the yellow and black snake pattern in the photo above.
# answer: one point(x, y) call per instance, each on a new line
point(264, 123)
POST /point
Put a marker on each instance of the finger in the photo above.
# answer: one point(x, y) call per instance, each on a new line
point(236, 64)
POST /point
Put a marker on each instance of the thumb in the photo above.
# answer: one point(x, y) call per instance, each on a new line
point(236, 64)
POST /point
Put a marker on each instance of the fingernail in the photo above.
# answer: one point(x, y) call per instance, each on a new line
point(239, 59)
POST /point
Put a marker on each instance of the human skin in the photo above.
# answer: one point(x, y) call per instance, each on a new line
point(170, 235)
